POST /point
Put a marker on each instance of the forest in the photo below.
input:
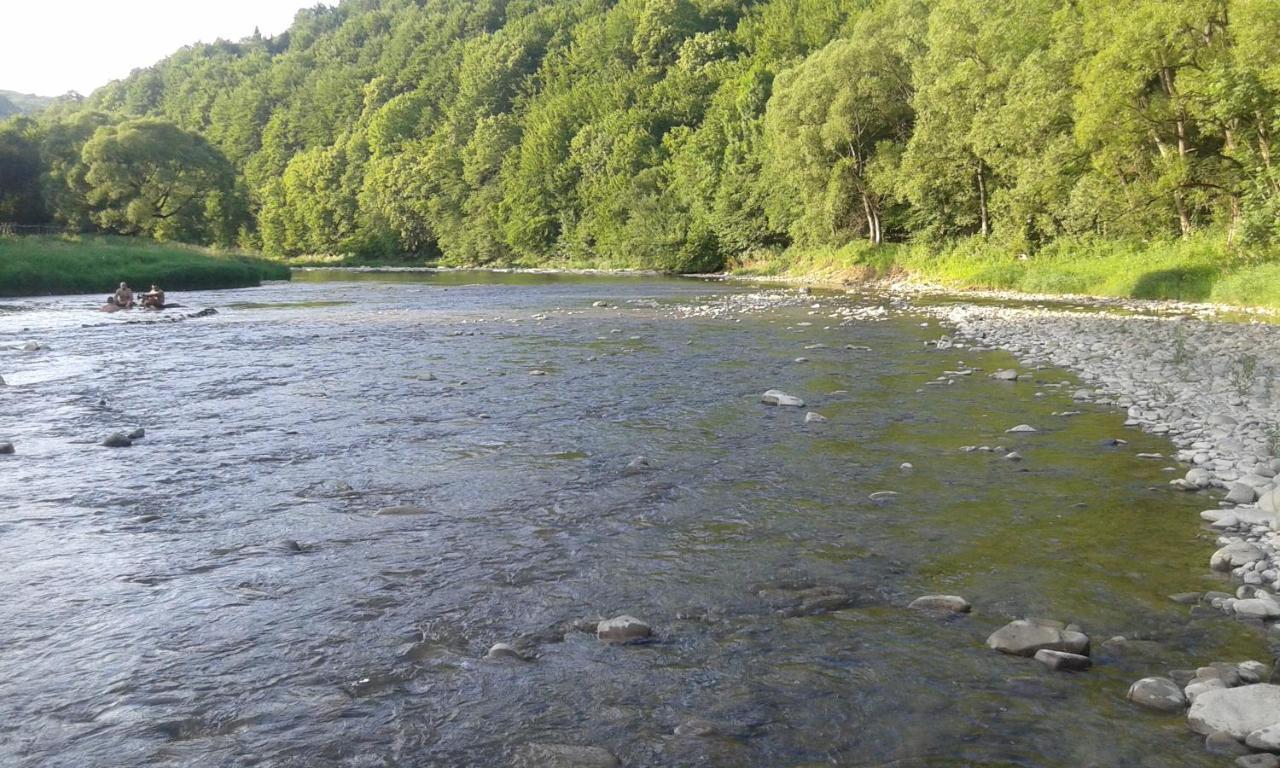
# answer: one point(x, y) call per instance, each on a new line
point(682, 135)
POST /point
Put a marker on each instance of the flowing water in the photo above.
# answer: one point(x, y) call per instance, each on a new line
point(225, 592)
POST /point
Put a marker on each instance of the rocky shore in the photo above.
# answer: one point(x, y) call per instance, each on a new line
point(1213, 389)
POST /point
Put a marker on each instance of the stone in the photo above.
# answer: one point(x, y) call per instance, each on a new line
point(1198, 478)
point(1012, 456)
point(537, 372)
point(1258, 761)
point(1253, 671)
point(564, 756)
point(696, 728)
point(1021, 428)
point(137, 434)
point(1270, 502)
point(1237, 711)
point(1024, 637)
point(814, 418)
point(6, 447)
point(1198, 687)
point(622, 629)
point(1223, 743)
point(1266, 739)
point(1159, 693)
point(1235, 555)
point(1241, 494)
point(1063, 662)
point(600, 304)
point(403, 510)
point(778, 397)
point(883, 495)
point(117, 440)
point(952, 603)
point(1257, 608)
point(503, 651)
point(638, 465)
point(1005, 375)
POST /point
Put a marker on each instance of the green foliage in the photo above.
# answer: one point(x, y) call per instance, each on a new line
point(69, 265)
point(972, 139)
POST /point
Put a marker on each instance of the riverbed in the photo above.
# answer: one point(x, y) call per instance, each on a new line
point(230, 590)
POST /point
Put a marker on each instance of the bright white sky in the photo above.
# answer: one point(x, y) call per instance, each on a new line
point(49, 47)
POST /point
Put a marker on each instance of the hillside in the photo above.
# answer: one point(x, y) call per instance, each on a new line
point(14, 103)
point(685, 134)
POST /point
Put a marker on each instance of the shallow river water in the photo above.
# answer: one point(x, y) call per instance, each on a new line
point(225, 593)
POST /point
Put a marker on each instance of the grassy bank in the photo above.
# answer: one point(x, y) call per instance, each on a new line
point(32, 266)
point(1198, 269)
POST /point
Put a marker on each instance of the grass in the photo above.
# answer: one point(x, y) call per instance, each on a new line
point(1196, 269)
point(32, 266)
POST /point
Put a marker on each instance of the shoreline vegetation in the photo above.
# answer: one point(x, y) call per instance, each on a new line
point(66, 265)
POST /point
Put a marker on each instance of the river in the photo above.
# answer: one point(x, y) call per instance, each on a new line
point(225, 592)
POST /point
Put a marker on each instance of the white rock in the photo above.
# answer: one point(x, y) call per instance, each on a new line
point(622, 629)
point(1158, 693)
point(1257, 608)
point(778, 397)
point(1235, 555)
point(952, 603)
point(814, 418)
point(1022, 428)
point(1237, 711)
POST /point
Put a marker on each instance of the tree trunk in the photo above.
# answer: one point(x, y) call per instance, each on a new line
point(982, 201)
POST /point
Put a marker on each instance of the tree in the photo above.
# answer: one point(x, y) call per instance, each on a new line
point(147, 176)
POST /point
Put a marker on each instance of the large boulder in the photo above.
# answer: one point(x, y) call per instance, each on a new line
point(1024, 637)
point(1237, 711)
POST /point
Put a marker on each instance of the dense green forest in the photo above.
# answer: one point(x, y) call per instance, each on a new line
point(683, 134)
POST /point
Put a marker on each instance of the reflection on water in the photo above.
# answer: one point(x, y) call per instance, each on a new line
point(226, 593)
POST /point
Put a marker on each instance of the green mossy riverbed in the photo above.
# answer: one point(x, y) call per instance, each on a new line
point(34, 266)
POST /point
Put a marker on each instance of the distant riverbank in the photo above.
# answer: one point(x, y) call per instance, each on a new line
point(1195, 270)
point(44, 266)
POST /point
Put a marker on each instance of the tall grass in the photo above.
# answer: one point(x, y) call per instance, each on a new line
point(31, 266)
point(1200, 268)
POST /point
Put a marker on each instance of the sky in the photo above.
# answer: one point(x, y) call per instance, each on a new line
point(49, 47)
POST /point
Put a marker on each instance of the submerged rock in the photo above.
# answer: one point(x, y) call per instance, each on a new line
point(1063, 662)
point(6, 447)
point(814, 418)
point(137, 434)
point(622, 629)
point(117, 440)
point(402, 510)
point(1223, 743)
point(1158, 693)
point(1021, 428)
point(1024, 637)
point(778, 397)
point(952, 603)
point(503, 651)
point(639, 465)
point(1237, 711)
point(1258, 761)
point(564, 756)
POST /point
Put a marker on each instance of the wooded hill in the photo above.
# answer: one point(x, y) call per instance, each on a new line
point(682, 134)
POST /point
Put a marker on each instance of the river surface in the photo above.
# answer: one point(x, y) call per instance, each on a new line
point(226, 593)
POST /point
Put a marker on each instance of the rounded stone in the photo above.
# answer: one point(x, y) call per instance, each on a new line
point(1159, 693)
point(622, 629)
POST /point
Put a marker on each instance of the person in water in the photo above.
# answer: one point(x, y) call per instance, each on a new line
point(154, 298)
point(123, 297)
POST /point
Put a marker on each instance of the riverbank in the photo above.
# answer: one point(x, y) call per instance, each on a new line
point(35, 266)
point(1199, 270)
